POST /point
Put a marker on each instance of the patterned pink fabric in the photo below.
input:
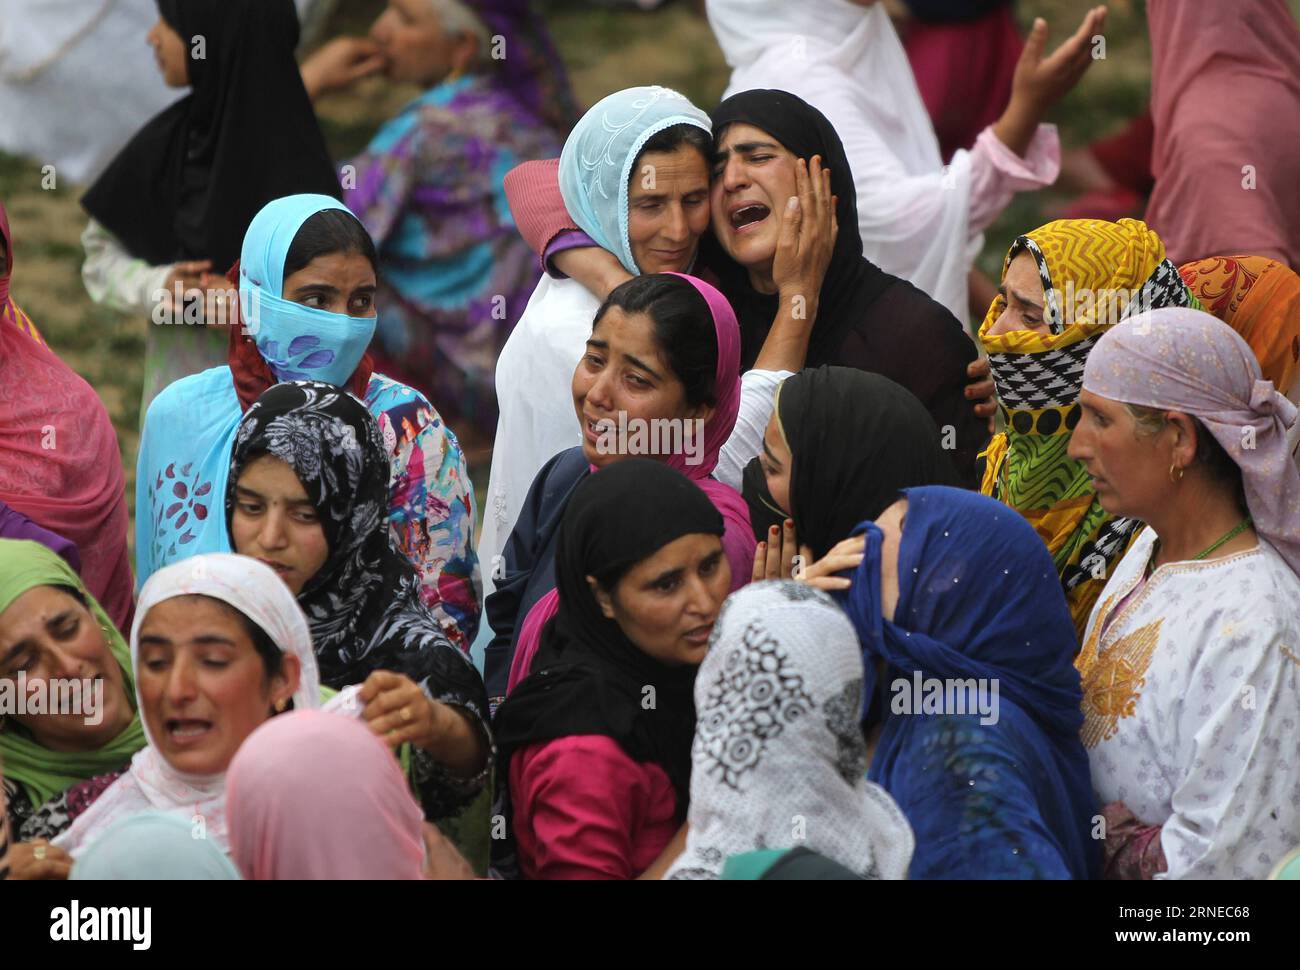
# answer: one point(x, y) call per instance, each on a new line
point(59, 463)
point(1186, 360)
point(583, 809)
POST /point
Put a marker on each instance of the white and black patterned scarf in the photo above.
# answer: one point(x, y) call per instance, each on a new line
point(779, 759)
point(363, 605)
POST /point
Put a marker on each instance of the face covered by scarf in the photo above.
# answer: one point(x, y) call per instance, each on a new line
point(779, 737)
point(190, 427)
point(1187, 360)
point(152, 783)
point(363, 605)
point(189, 182)
point(1094, 274)
point(596, 163)
point(44, 773)
point(588, 677)
point(317, 796)
point(977, 599)
point(856, 440)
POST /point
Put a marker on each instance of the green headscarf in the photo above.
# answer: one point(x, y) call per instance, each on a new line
point(43, 773)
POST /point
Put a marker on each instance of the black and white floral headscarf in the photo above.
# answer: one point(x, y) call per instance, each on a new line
point(364, 605)
point(779, 759)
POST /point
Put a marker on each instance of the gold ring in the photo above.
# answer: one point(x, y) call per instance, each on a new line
point(406, 713)
point(38, 853)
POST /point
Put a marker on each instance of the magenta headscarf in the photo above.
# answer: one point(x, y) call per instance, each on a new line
point(59, 462)
point(312, 795)
point(738, 537)
point(1185, 360)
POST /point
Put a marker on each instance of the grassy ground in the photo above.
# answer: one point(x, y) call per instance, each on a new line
point(605, 50)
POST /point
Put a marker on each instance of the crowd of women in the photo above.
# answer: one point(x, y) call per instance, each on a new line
point(828, 624)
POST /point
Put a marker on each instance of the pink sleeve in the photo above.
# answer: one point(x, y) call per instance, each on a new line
point(530, 637)
point(533, 192)
point(997, 173)
point(583, 797)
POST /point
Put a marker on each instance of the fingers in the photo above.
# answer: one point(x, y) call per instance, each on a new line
point(757, 574)
point(977, 368)
point(852, 546)
point(772, 568)
point(829, 584)
point(788, 548)
point(980, 390)
point(986, 409)
point(1036, 42)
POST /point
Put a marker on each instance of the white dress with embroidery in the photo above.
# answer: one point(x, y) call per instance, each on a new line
point(1192, 707)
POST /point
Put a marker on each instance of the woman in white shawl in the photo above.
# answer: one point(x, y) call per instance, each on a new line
point(219, 645)
point(779, 760)
point(919, 220)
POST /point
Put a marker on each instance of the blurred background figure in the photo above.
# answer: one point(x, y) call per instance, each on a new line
point(454, 274)
point(171, 210)
point(57, 53)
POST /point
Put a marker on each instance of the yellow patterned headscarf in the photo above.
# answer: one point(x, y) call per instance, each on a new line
point(1094, 274)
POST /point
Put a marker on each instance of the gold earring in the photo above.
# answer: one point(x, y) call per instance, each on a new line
point(280, 705)
point(1176, 473)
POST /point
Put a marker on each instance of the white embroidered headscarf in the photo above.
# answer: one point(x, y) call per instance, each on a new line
point(779, 760)
point(151, 783)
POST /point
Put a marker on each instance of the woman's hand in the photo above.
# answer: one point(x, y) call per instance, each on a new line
point(1040, 82)
point(808, 231)
point(38, 860)
point(845, 555)
point(981, 390)
point(778, 557)
point(339, 64)
point(398, 711)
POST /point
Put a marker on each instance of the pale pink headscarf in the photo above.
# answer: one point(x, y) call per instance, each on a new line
point(311, 795)
point(1186, 360)
point(738, 536)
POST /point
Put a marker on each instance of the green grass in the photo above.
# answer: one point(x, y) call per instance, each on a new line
point(605, 50)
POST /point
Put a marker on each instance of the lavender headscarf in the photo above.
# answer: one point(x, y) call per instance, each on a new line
point(1185, 360)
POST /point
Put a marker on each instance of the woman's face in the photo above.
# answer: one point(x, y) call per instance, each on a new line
point(275, 522)
point(337, 282)
point(668, 209)
point(55, 639)
point(170, 52)
point(667, 604)
point(203, 686)
point(775, 461)
point(891, 524)
point(753, 179)
point(1130, 472)
point(414, 46)
point(1022, 289)
point(625, 371)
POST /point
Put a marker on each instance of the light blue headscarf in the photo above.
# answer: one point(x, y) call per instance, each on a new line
point(152, 845)
point(189, 430)
point(598, 157)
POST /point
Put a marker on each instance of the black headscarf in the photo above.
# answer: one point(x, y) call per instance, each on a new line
point(866, 318)
point(588, 677)
point(856, 440)
point(363, 605)
point(191, 180)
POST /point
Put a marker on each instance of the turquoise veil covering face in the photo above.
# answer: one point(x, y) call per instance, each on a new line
point(596, 163)
point(189, 430)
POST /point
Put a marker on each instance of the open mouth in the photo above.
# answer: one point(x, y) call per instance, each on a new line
point(279, 567)
point(700, 635)
point(749, 215)
point(187, 731)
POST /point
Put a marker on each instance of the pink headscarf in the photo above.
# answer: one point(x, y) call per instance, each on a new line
point(312, 795)
point(1185, 360)
point(738, 538)
point(59, 463)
